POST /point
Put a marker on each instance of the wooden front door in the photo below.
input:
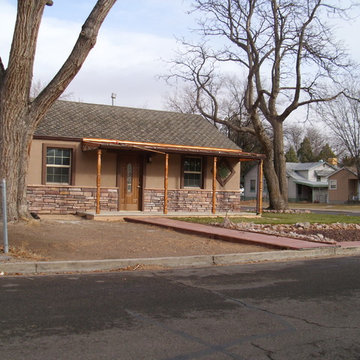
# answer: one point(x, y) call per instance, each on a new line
point(129, 172)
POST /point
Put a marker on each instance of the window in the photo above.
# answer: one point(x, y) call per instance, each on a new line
point(58, 165)
point(252, 185)
point(333, 184)
point(192, 172)
point(224, 172)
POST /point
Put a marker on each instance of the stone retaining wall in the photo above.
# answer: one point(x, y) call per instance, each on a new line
point(69, 199)
point(191, 200)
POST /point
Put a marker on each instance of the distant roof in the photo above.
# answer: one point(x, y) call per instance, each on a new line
point(306, 166)
point(298, 179)
point(351, 170)
point(292, 170)
point(81, 120)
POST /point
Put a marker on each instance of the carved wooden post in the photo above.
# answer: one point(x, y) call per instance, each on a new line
point(98, 181)
point(214, 186)
point(166, 182)
point(259, 202)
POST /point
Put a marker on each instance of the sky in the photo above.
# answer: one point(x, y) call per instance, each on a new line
point(134, 45)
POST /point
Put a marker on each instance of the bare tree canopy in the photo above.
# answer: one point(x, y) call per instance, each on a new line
point(287, 54)
point(343, 118)
point(19, 113)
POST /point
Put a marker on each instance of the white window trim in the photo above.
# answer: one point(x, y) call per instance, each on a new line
point(332, 184)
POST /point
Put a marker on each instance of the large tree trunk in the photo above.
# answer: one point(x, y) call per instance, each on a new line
point(277, 201)
point(280, 161)
point(19, 115)
point(277, 187)
point(13, 163)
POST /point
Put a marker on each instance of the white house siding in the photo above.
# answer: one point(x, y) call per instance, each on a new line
point(292, 190)
point(306, 182)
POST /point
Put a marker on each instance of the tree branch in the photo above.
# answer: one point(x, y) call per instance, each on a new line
point(85, 42)
point(2, 71)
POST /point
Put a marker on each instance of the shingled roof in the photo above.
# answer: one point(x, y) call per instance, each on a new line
point(81, 120)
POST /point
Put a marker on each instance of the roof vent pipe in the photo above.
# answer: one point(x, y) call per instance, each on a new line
point(113, 97)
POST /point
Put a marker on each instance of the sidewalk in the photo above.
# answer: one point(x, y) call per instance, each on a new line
point(291, 249)
point(231, 235)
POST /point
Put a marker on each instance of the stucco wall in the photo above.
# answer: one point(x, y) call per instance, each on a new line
point(85, 164)
point(155, 173)
point(346, 185)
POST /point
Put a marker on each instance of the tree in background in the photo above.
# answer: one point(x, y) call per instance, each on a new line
point(291, 155)
point(305, 153)
point(316, 140)
point(19, 113)
point(343, 118)
point(285, 51)
point(294, 135)
point(325, 153)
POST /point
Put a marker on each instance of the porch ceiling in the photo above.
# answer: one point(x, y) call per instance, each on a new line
point(89, 144)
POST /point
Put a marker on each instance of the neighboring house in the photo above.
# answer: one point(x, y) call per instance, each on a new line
point(251, 185)
point(87, 156)
point(344, 186)
point(306, 182)
point(309, 181)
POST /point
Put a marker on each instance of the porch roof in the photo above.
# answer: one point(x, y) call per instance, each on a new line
point(312, 184)
point(89, 144)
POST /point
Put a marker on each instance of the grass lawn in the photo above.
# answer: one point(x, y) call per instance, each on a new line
point(270, 218)
point(312, 206)
point(344, 207)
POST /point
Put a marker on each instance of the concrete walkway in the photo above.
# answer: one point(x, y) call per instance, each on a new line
point(231, 235)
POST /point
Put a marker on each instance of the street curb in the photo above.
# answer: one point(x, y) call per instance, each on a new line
point(9, 268)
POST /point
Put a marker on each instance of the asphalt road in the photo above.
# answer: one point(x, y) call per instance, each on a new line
point(295, 310)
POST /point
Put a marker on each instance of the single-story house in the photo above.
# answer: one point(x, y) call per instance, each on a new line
point(306, 181)
point(87, 156)
point(344, 186)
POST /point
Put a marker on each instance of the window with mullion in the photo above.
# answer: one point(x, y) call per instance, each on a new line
point(192, 172)
point(58, 165)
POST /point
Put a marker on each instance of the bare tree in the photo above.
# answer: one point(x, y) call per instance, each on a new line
point(343, 118)
point(286, 52)
point(37, 87)
point(294, 135)
point(19, 113)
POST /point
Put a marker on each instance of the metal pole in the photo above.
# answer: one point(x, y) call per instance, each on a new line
point(166, 183)
point(213, 210)
point(98, 181)
point(5, 230)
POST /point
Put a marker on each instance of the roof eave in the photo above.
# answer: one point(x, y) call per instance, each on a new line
point(93, 143)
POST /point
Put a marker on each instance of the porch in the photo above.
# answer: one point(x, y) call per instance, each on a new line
point(134, 194)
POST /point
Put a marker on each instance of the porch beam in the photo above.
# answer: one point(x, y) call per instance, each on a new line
point(259, 196)
point(214, 186)
point(98, 181)
point(166, 183)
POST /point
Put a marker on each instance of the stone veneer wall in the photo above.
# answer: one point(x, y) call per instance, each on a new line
point(44, 199)
point(191, 200)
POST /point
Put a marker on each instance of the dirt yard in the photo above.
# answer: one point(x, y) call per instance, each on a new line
point(72, 238)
